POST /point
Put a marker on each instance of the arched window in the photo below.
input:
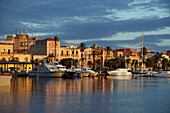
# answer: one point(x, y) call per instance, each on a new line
point(9, 51)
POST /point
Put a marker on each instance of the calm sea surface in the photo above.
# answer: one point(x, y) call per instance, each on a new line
point(86, 95)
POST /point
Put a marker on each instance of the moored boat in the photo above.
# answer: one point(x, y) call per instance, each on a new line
point(86, 72)
point(46, 70)
point(120, 72)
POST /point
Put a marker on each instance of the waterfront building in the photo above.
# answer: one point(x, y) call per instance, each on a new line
point(6, 50)
point(47, 48)
point(17, 66)
point(22, 42)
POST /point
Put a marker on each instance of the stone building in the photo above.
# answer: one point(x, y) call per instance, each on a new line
point(6, 50)
point(46, 47)
point(22, 42)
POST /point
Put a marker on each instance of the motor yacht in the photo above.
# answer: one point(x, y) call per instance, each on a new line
point(86, 72)
point(47, 70)
point(120, 72)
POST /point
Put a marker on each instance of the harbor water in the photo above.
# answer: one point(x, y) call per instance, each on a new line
point(86, 95)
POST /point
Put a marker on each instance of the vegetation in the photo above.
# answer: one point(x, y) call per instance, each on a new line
point(82, 47)
point(67, 62)
point(144, 50)
point(94, 55)
point(108, 48)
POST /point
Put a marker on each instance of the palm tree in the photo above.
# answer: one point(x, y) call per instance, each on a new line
point(89, 63)
point(165, 64)
point(127, 62)
point(108, 48)
point(155, 60)
point(82, 47)
point(56, 39)
point(94, 55)
point(144, 50)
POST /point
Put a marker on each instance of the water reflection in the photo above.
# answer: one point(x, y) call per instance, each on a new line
point(57, 94)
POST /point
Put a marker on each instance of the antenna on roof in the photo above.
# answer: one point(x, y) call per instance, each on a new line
point(15, 30)
point(26, 32)
point(20, 32)
point(23, 31)
point(32, 35)
point(8, 33)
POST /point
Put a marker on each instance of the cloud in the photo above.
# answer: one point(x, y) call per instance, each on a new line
point(137, 2)
point(142, 11)
point(164, 42)
point(124, 36)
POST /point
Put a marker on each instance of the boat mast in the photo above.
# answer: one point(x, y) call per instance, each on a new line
point(142, 52)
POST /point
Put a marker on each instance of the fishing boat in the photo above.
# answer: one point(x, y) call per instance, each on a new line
point(120, 72)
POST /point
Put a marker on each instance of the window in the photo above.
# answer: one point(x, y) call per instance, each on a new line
point(73, 52)
point(89, 55)
point(26, 59)
point(50, 44)
point(77, 52)
point(56, 52)
point(61, 52)
point(50, 51)
point(67, 52)
point(4, 50)
point(9, 51)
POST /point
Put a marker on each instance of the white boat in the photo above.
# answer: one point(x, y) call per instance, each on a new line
point(120, 72)
point(86, 72)
point(163, 74)
point(47, 70)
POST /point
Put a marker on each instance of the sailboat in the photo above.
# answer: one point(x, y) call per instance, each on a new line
point(142, 71)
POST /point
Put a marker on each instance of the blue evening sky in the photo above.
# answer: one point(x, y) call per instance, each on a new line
point(114, 23)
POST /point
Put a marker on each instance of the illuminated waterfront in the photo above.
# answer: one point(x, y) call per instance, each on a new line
point(86, 95)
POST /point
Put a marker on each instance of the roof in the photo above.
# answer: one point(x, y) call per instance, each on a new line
point(48, 39)
point(15, 63)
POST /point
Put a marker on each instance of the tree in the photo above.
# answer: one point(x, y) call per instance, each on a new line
point(66, 62)
point(94, 53)
point(128, 61)
point(82, 47)
point(149, 62)
point(165, 64)
point(3, 60)
point(108, 48)
point(155, 60)
point(56, 39)
point(144, 50)
point(89, 63)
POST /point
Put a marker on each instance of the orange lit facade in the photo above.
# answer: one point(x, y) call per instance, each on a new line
point(6, 50)
point(22, 42)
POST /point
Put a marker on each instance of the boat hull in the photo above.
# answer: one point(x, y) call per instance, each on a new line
point(57, 74)
point(119, 73)
point(93, 74)
point(84, 74)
